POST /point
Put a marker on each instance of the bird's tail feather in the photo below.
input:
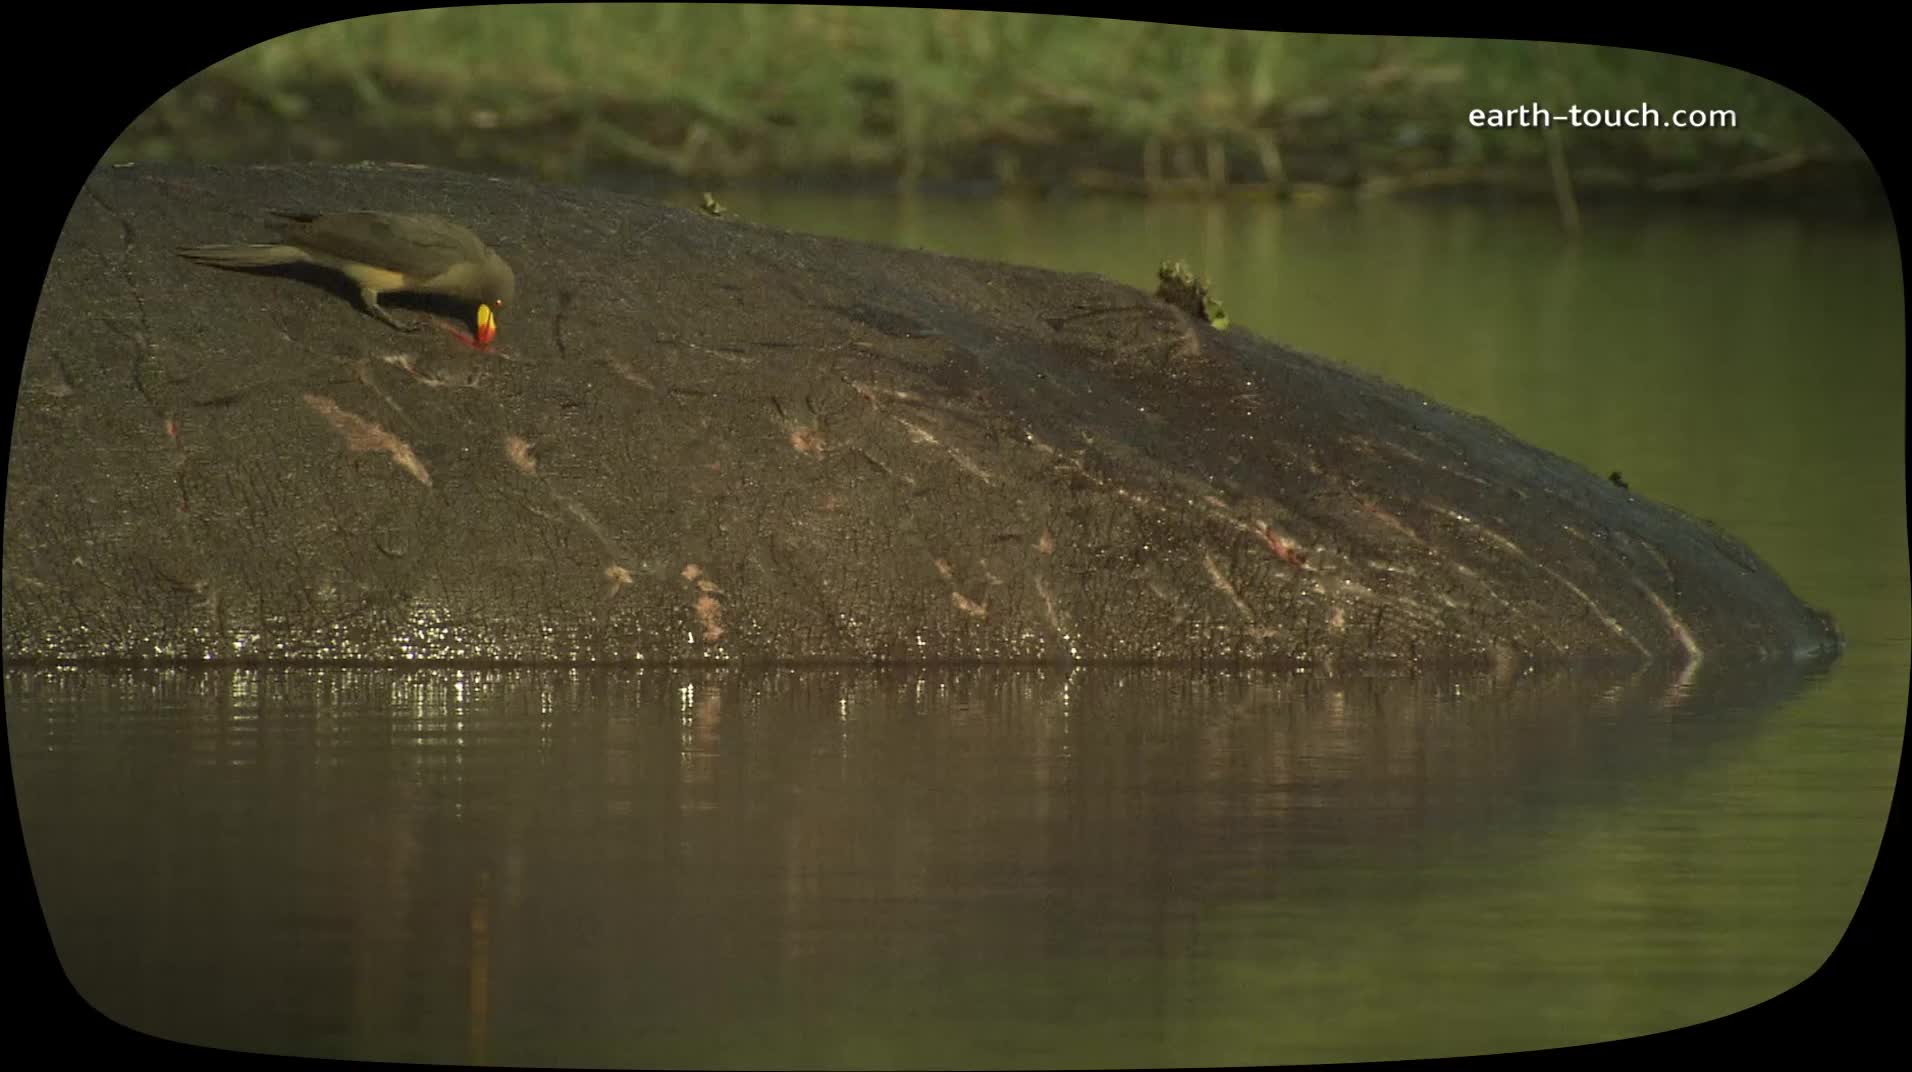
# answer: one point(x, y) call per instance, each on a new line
point(253, 255)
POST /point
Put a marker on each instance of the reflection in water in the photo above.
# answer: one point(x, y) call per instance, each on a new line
point(787, 867)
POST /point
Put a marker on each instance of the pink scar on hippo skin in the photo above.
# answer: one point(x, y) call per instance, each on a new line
point(618, 576)
point(708, 608)
point(962, 602)
point(518, 449)
point(969, 606)
point(363, 435)
point(709, 615)
point(807, 441)
point(1284, 548)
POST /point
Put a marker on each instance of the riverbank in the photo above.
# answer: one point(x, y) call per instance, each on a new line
point(965, 101)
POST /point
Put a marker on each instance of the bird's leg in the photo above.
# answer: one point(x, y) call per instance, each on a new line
point(370, 298)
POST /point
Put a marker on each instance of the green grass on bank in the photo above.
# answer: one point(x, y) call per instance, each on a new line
point(703, 92)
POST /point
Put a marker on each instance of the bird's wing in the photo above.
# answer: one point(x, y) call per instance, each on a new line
point(416, 247)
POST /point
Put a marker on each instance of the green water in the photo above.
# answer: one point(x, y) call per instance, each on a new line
point(1105, 868)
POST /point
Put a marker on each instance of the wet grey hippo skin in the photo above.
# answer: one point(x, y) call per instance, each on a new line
point(699, 438)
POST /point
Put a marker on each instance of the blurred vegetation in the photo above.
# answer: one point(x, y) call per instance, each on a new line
point(695, 93)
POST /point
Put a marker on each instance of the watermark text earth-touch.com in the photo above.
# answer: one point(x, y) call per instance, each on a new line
point(1638, 116)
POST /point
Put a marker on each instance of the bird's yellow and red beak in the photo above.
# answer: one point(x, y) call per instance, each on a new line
point(487, 326)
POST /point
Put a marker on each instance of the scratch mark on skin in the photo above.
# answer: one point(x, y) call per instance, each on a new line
point(917, 432)
point(618, 576)
point(142, 337)
point(728, 354)
point(1073, 465)
point(179, 465)
point(520, 452)
point(907, 480)
point(708, 607)
point(1660, 558)
point(1514, 549)
point(362, 372)
point(1286, 549)
point(1451, 471)
point(968, 606)
point(1474, 578)
point(1177, 613)
point(1680, 631)
point(625, 371)
point(1634, 544)
point(1222, 584)
point(590, 523)
point(1227, 589)
point(1215, 508)
point(871, 392)
point(1283, 547)
point(1349, 591)
point(565, 298)
point(1374, 625)
point(518, 449)
point(363, 435)
point(963, 603)
point(923, 435)
point(1374, 510)
point(410, 365)
point(1369, 446)
point(1049, 606)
